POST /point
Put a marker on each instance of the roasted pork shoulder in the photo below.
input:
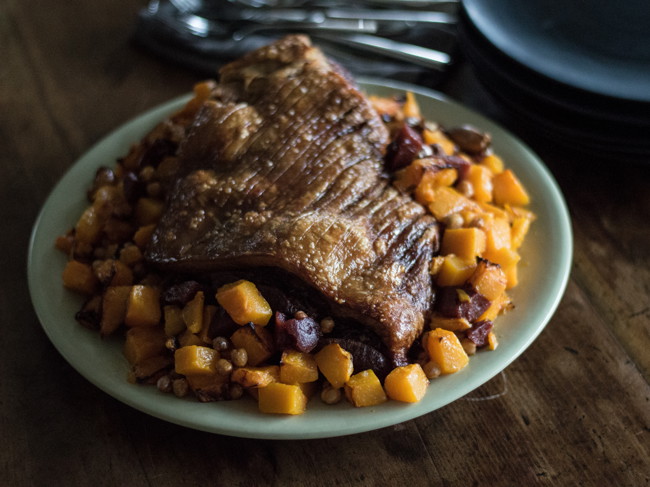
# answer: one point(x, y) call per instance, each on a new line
point(283, 168)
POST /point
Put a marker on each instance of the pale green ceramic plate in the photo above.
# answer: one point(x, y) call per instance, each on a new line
point(546, 253)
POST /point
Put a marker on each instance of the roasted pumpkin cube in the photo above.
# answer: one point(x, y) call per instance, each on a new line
point(114, 302)
point(444, 349)
point(451, 324)
point(143, 343)
point(297, 367)
point(454, 271)
point(407, 383)
point(196, 360)
point(148, 211)
point(447, 201)
point(278, 398)
point(142, 236)
point(431, 179)
point(256, 376)
point(187, 338)
point(507, 259)
point(143, 307)
point(79, 277)
point(256, 340)
point(151, 368)
point(519, 230)
point(193, 312)
point(508, 190)
point(494, 163)
point(437, 137)
point(88, 229)
point(498, 234)
point(466, 243)
point(335, 363)
point(364, 389)
point(500, 304)
point(244, 303)
point(209, 387)
point(480, 177)
point(173, 320)
point(489, 280)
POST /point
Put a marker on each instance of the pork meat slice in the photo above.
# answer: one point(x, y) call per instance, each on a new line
point(283, 168)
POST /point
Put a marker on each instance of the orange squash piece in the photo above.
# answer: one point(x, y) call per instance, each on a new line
point(143, 307)
point(451, 324)
point(142, 235)
point(244, 303)
point(173, 320)
point(447, 201)
point(508, 190)
point(364, 389)
point(480, 177)
point(466, 243)
point(494, 163)
point(256, 376)
point(444, 349)
point(257, 340)
point(297, 367)
point(193, 312)
point(143, 343)
point(148, 211)
point(88, 229)
point(454, 271)
point(432, 179)
point(335, 364)
point(489, 280)
point(79, 277)
point(437, 137)
point(114, 302)
point(498, 234)
point(407, 383)
point(278, 398)
point(196, 360)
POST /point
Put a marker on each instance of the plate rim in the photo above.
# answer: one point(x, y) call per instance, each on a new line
point(349, 420)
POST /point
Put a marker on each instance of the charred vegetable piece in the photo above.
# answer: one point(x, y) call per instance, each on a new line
point(469, 139)
point(364, 389)
point(404, 149)
point(461, 302)
point(300, 333)
point(479, 332)
point(278, 398)
point(256, 376)
point(182, 293)
point(407, 383)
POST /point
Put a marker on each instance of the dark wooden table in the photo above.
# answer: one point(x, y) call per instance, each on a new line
point(576, 410)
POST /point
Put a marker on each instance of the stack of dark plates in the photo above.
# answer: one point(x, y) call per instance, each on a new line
point(576, 72)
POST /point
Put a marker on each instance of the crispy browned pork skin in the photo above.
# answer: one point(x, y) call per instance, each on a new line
point(282, 168)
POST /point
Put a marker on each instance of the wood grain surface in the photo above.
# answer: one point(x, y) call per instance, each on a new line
point(574, 409)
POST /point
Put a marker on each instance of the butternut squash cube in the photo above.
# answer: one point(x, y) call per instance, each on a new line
point(447, 201)
point(297, 367)
point(494, 163)
point(466, 243)
point(507, 259)
point(437, 137)
point(451, 324)
point(364, 389)
point(257, 340)
point(498, 235)
point(143, 343)
point(142, 235)
point(187, 338)
point(406, 384)
point(278, 398)
point(508, 190)
point(114, 302)
point(209, 386)
point(79, 277)
point(445, 350)
point(193, 312)
point(88, 229)
point(454, 271)
point(143, 307)
point(148, 211)
point(489, 280)
point(496, 307)
point(244, 303)
point(335, 363)
point(256, 376)
point(520, 227)
point(431, 179)
point(196, 360)
point(481, 179)
point(173, 320)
